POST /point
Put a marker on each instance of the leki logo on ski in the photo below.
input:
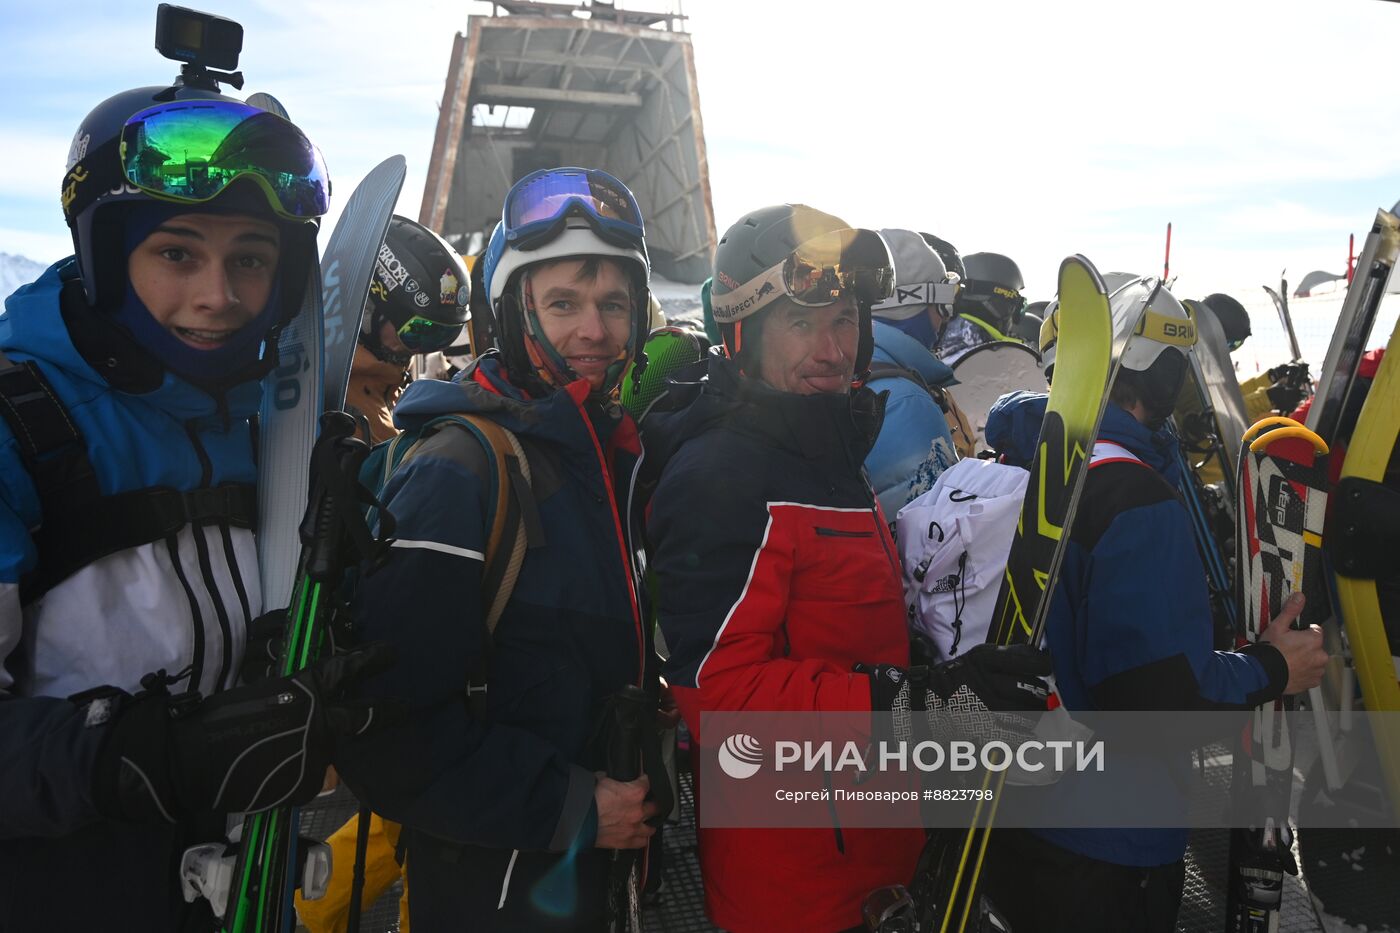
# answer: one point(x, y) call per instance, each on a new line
point(740, 756)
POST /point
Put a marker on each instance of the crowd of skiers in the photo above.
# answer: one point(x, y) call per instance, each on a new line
point(729, 555)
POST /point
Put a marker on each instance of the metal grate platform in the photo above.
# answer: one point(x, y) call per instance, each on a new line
point(678, 906)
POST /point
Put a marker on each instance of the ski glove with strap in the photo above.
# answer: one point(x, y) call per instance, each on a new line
point(239, 751)
point(957, 697)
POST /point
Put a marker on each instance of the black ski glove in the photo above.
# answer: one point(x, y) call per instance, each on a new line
point(960, 695)
point(239, 751)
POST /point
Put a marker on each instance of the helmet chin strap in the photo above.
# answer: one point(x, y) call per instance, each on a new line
point(550, 366)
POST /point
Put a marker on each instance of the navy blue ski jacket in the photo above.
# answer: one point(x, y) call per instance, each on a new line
point(175, 603)
point(1130, 624)
point(490, 805)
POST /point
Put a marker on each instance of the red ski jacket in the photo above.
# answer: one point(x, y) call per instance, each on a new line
point(776, 575)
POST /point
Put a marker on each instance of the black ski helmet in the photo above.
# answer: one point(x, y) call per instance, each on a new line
point(420, 282)
point(95, 193)
point(761, 240)
point(1233, 318)
point(1027, 329)
point(991, 291)
point(947, 252)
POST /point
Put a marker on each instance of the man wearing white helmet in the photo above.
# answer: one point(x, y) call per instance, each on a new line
point(507, 817)
point(1130, 628)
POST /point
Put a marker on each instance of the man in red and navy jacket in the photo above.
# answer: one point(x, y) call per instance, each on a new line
point(777, 575)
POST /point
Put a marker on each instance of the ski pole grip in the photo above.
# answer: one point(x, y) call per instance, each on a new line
point(626, 718)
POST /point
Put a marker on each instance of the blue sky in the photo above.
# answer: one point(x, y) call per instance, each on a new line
point(1264, 130)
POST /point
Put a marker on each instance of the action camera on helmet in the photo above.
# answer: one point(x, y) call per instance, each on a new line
point(202, 41)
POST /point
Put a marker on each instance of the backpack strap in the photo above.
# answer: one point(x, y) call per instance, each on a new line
point(514, 524)
point(1109, 452)
point(78, 525)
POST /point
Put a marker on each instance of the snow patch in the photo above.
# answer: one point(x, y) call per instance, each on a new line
point(16, 271)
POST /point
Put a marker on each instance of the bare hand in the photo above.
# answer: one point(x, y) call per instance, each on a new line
point(1301, 648)
point(622, 812)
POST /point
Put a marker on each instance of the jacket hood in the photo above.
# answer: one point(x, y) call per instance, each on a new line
point(33, 326)
point(893, 345)
point(1013, 428)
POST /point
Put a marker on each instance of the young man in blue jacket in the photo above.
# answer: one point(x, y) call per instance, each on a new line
point(128, 571)
point(507, 814)
point(1130, 629)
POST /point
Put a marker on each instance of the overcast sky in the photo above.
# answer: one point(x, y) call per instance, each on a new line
point(1266, 131)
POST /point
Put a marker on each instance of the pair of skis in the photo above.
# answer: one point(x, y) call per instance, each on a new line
point(1094, 330)
point(299, 566)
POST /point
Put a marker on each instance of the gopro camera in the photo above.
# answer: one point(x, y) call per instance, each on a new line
point(200, 40)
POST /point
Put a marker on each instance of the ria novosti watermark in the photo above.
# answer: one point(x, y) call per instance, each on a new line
point(1139, 769)
point(741, 756)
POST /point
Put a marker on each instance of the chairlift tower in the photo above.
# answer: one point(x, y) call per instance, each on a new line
point(541, 84)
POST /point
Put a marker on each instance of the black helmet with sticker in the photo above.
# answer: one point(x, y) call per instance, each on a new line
point(421, 287)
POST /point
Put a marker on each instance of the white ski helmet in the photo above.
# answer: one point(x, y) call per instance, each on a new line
point(1148, 321)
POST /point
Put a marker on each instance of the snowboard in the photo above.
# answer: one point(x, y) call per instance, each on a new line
point(946, 887)
point(312, 378)
point(988, 371)
point(1280, 515)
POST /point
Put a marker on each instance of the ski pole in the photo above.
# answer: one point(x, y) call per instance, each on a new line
point(357, 882)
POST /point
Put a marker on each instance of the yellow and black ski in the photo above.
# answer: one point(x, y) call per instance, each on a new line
point(1089, 346)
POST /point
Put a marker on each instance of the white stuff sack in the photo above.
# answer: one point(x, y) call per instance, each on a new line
point(953, 544)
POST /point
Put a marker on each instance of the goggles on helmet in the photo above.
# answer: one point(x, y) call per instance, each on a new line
point(539, 205)
point(1005, 304)
point(191, 150)
point(918, 295)
point(424, 335)
point(816, 274)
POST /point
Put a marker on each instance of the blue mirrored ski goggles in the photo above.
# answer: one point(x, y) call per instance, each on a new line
point(538, 206)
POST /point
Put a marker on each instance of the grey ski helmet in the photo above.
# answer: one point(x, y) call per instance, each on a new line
point(991, 292)
point(764, 239)
point(920, 278)
point(421, 286)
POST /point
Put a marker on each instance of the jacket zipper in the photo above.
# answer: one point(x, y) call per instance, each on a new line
point(621, 540)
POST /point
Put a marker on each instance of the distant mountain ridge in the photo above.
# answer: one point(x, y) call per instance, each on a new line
point(16, 271)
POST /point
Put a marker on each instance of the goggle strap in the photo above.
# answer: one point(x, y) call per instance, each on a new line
point(751, 297)
point(919, 293)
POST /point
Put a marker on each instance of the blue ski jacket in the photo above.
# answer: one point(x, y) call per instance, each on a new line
point(914, 445)
point(1129, 626)
point(491, 805)
point(183, 602)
